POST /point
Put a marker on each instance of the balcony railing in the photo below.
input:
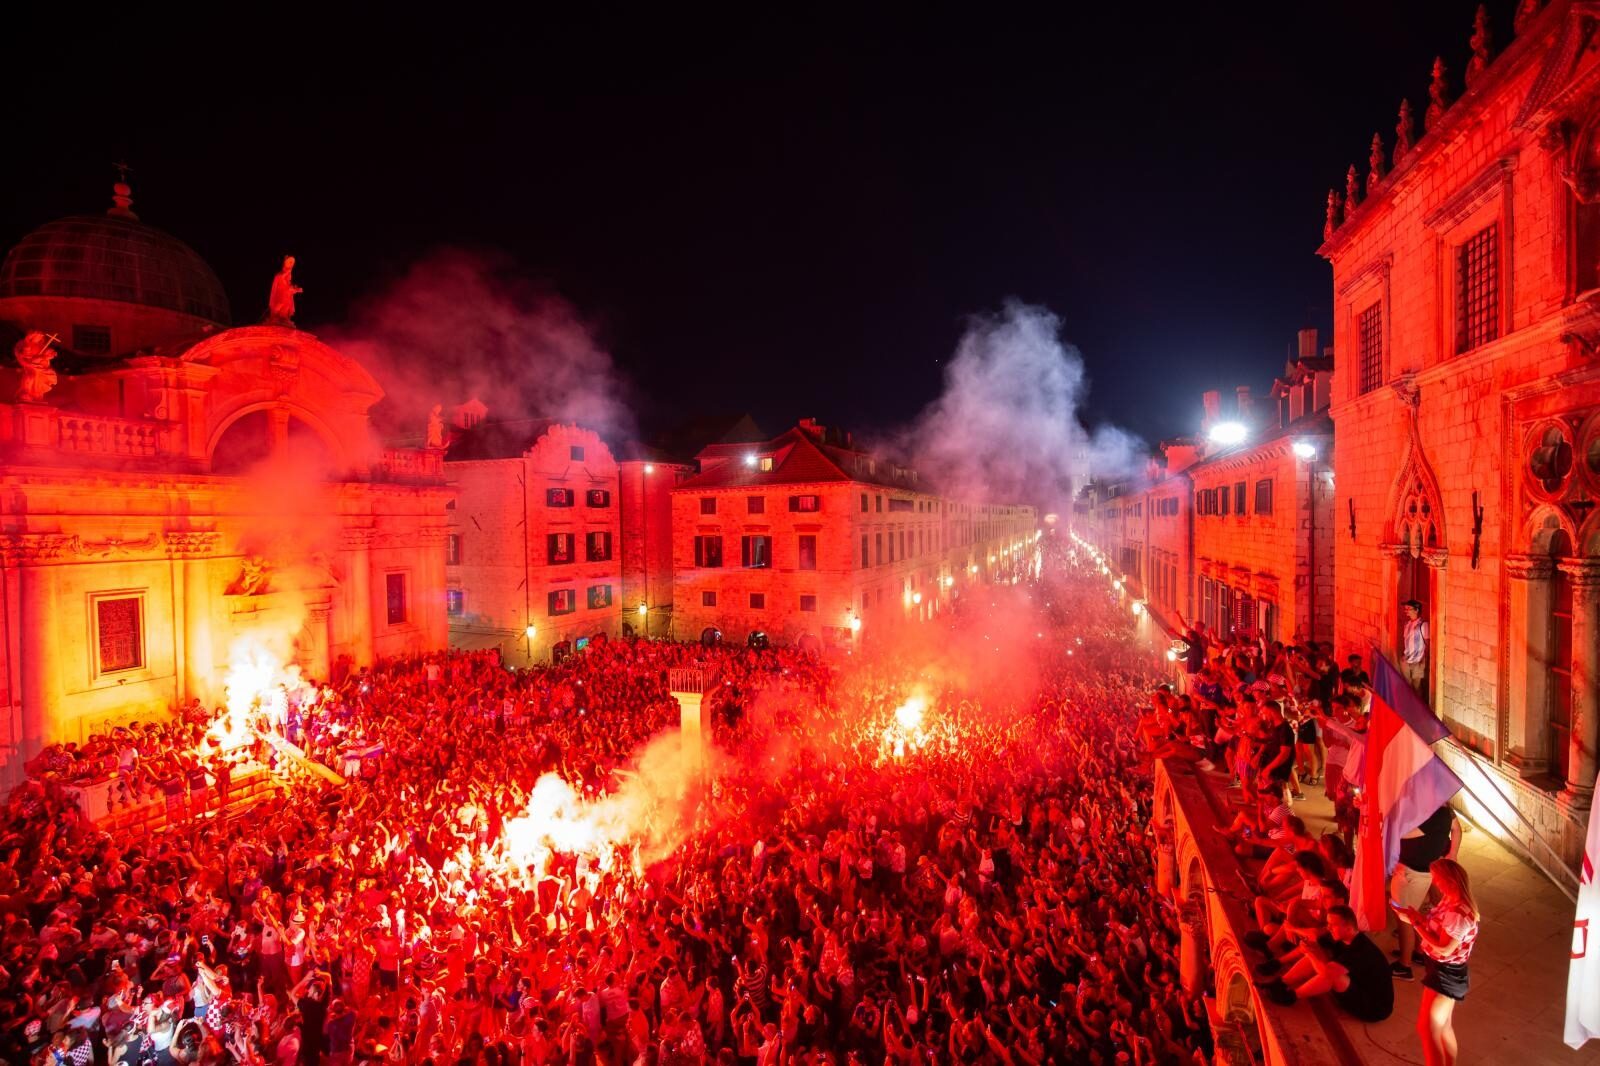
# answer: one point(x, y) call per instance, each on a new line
point(90, 435)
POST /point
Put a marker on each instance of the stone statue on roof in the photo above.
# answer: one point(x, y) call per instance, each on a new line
point(280, 303)
point(436, 426)
point(34, 355)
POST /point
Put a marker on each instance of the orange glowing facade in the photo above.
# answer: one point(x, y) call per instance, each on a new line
point(804, 537)
point(174, 487)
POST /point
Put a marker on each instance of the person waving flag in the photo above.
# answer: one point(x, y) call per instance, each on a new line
point(1403, 783)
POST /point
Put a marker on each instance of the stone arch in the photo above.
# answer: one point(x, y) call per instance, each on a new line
point(1415, 515)
point(1542, 526)
point(323, 433)
point(1586, 543)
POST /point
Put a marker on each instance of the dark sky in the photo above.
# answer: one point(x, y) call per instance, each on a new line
point(785, 215)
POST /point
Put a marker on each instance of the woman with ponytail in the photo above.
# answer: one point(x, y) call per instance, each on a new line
point(1446, 933)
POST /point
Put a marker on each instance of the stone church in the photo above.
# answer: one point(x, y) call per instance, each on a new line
point(174, 488)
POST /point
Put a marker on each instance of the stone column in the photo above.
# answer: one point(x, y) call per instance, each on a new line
point(38, 627)
point(356, 547)
point(1529, 658)
point(317, 660)
point(1585, 577)
point(1166, 860)
point(193, 550)
point(1192, 961)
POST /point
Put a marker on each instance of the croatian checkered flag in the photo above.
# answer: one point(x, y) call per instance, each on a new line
point(1583, 974)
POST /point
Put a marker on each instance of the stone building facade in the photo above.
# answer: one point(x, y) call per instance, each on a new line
point(806, 537)
point(1238, 536)
point(645, 492)
point(1466, 282)
point(176, 490)
point(535, 539)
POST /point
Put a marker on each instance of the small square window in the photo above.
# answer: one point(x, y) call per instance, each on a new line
point(805, 504)
point(808, 603)
point(708, 505)
point(708, 599)
point(559, 497)
point(755, 505)
point(575, 453)
point(598, 498)
point(599, 597)
point(758, 601)
point(92, 340)
point(455, 602)
point(562, 601)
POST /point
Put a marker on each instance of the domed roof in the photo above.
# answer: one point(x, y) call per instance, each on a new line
point(114, 257)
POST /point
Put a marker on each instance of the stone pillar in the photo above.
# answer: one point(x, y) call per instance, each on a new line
point(1192, 961)
point(317, 661)
point(1585, 577)
point(356, 547)
point(38, 628)
point(199, 662)
point(1529, 658)
point(1166, 860)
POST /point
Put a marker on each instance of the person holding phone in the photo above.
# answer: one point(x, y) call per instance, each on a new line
point(1446, 932)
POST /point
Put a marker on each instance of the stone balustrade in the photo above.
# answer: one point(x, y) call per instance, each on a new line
point(95, 435)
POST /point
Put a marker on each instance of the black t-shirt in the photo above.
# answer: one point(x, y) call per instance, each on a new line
point(1194, 659)
point(1420, 852)
point(1355, 677)
point(1370, 996)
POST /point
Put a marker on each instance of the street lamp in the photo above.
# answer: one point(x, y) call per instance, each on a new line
point(1304, 449)
point(643, 610)
point(855, 623)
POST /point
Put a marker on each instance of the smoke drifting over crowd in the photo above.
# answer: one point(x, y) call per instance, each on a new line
point(459, 325)
point(1008, 425)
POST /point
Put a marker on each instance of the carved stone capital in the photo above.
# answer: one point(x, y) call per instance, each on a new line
point(355, 539)
point(1435, 557)
point(32, 549)
point(192, 543)
point(1406, 390)
point(1584, 574)
point(1529, 567)
point(113, 547)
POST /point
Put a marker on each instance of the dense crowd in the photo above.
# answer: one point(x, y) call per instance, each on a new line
point(1277, 719)
point(845, 884)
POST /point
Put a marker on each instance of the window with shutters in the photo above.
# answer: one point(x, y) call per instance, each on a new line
point(558, 548)
point(597, 547)
point(807, 559)
point(755, 552)
point(598, 498)
point(558, 497)
point(805, 504)
point(561, 601)
point(1264, 496)
point(708, 551)
point(708, 599)
point(808, 603)
point(599, 597)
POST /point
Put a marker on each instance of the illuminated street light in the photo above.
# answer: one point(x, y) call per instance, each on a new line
point(916, 597)
point(529, 632)
point(643, 610)
point(1138, 608)
point(855, 623)
point(649, 468)
point(750, 460)
point(1304, 449)
point(1228, 433)
point(973, 569)
point(1172, 656)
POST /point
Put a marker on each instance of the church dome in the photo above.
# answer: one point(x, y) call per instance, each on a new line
point(113, 257)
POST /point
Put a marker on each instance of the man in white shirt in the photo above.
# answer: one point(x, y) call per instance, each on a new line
point(1414, 647)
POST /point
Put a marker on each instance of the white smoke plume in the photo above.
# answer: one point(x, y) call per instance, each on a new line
point(460, 325)
point(1008, 426)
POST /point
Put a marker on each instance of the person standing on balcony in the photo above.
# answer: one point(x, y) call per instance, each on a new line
point(1414, 648)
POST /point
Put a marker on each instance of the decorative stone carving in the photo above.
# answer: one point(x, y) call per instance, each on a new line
point(1406, 390)
point(1482, 41)
point(1375, 163)
point(254, 577)
point(280, 302)
point(436, 427)
point(28, 549)
point(356, 539)
point(112, 546)
point(1404, 132)
point(1330, 224)
point(1528, 567)
point(34, 355)
point(1352, 190)
point(1438, 96)
point(192, 543)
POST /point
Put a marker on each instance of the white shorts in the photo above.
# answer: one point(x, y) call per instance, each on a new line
point(1409, 888)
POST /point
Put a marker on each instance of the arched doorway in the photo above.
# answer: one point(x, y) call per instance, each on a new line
point(1413, 584)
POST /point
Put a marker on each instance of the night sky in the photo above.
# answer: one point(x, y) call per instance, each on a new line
point(790, 217)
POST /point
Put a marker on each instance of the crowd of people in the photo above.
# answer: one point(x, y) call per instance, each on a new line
point(1277, 719)
point(843, 883)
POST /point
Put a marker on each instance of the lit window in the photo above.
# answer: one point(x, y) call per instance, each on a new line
point(562, 601)
point(559, 497)
point(452, 549)
point(598, 498)
point(455, 602)
point(558, 548)
point(598, 547)
point(599, 597)
point(805, 503)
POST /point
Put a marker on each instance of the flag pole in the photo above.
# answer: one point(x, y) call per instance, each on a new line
point(1556, 879)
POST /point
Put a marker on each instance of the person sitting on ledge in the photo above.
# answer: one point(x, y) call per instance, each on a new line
point(1344, 964)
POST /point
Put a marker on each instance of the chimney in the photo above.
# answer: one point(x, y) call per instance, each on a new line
point(1211, 400)
point(1308, 343)
point(1243, 392)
